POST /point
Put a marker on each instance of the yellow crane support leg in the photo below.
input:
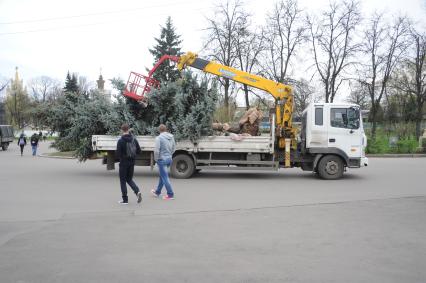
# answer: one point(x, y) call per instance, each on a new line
point(287, 153)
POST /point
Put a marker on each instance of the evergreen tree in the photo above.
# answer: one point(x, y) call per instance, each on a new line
point(71, 84)
point(195, 105)
point(77, 121)
point(162, 102)
point(186, 107)
point(168, 44)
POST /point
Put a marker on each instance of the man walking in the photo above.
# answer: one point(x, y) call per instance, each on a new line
point(127, 149)
point(163, 152)
point(34, 143)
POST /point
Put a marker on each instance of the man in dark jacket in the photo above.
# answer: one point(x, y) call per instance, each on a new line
point(127, 149)
point(34, 143)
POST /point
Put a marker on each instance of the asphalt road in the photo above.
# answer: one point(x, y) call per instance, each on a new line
point(60, 222)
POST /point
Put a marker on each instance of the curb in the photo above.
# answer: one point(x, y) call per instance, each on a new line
point(45, 155)
point(415, 155)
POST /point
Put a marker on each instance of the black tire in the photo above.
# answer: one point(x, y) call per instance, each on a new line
point(5, 146)
point(182, 167)
point(330, 167)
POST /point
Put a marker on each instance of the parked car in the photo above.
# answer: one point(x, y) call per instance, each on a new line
point(6, 136)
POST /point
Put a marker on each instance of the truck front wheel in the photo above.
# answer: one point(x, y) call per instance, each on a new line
point(330, 167)
point(182, 167)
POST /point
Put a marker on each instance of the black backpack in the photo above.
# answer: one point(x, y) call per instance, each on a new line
point(131, 149)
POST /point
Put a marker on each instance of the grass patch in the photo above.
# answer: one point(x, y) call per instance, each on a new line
point(381, 144)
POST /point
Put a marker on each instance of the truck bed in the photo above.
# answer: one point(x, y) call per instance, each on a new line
point(249, 144)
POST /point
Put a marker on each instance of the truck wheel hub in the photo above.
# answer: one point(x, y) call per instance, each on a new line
point(181, 166)
point(332, 167)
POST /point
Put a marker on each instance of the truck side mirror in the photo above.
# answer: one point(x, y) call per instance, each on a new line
point(356, 110)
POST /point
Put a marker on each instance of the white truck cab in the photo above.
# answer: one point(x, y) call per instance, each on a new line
point(333, 129)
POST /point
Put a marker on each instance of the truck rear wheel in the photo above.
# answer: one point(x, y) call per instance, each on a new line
point(330, 167)
point(182, 167)
point(4, 146)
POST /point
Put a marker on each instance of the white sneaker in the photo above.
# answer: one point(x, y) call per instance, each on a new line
point(154, 194)
point(123, 202)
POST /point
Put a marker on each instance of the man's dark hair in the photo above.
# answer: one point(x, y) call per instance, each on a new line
point(125, 127)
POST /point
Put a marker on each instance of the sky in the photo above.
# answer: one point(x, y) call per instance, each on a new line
point(52, 37)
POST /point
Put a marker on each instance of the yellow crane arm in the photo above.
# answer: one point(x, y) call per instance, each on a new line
point(281, 92)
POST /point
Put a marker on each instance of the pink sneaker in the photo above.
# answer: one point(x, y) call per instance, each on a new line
point(168, 198)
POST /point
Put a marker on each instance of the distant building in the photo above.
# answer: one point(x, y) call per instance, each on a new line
point(101, 87)
point(101, 83)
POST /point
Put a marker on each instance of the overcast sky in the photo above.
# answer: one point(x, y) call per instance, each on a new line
point(50, 37)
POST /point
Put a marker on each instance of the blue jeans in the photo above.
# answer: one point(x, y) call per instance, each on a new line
point(34, 148)
point(164, 177)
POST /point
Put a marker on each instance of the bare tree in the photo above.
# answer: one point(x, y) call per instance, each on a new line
point(419, 89)
point(304, 94)
point(225, 28)
point(3, 86)
point(333, 45)
point(412, 79)
point(55, 93)
point(383, 45)
point(41, 87)
point(285, 31)
point(359, 95)
point(249, 48)
point(84, 85)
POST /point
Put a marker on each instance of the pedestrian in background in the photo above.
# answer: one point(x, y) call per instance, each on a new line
point(127, 149)
point(34, 143)
point(164, 148)
point(22, 142)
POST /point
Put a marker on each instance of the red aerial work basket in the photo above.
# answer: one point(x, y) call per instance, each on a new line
point(138, 85)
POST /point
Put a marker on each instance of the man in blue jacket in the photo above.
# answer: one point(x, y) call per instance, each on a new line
point(163, 152)
point(127, 149)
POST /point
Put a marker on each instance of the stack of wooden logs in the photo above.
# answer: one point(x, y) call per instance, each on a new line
point(248, 124)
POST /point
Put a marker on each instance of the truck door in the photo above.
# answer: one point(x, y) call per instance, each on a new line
point(316, 132)
point(345, 130)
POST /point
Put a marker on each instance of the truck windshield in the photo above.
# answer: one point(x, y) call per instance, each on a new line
point(344, 118)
